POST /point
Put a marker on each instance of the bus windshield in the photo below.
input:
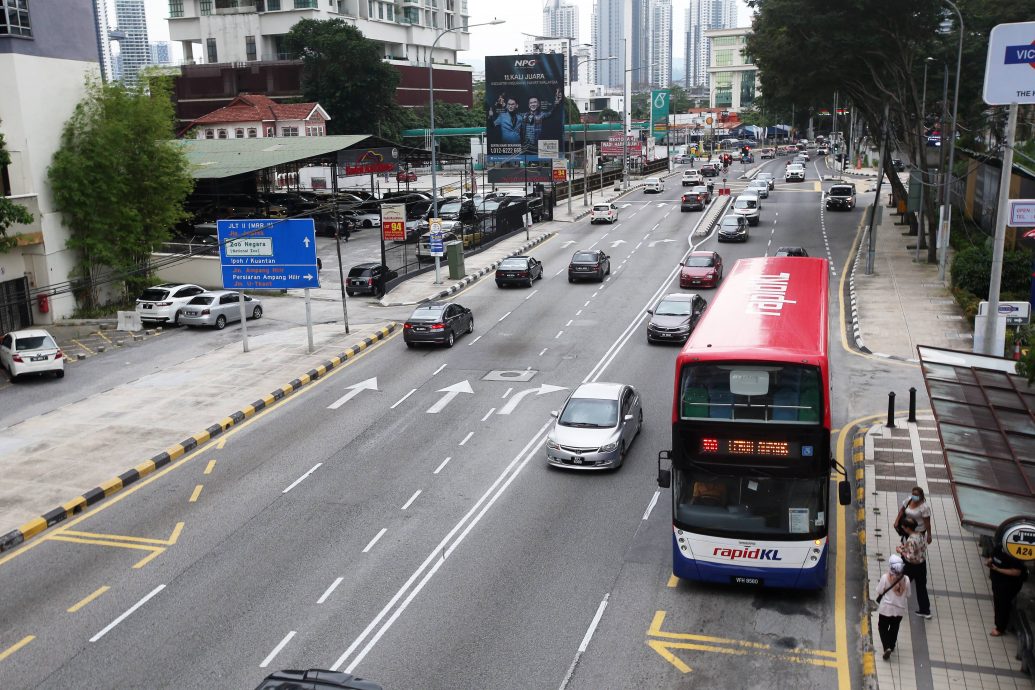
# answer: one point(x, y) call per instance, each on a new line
point(749, 507)
point(769, 392)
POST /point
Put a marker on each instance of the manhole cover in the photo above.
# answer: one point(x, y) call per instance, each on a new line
point(519, 375)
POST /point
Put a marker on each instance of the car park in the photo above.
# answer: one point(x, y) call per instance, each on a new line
point(760, 187)
point(368, 279)
point(674, 316)
point(162, 303)
point(603, 213)
point(519, 270)
point(437, 323)
point(406, 176)
point(31, 351)
point(791, 251)
point(794, 173)
point(363, 218)
point(692, 201)
point(218, 308)
point(840, 197)
point(700, 269)
point(691, 177)
point(653, 185)
point(589, 264)
point(595, 428)
point(768, 177)
point(424, 245)
point(733, 228)
point(767, 152)
point(747, 206)
point(315, 679)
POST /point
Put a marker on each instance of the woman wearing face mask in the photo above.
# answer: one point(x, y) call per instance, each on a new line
point(893, 598)
point(916, 507)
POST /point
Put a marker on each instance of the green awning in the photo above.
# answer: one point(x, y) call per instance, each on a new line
point(220, 158)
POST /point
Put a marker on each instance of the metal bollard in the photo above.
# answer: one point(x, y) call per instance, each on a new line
point(912, 405)
point(891, 410)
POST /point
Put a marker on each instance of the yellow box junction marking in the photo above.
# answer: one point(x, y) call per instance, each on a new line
point(16, 646)
point(154, 546)
point(86, 600)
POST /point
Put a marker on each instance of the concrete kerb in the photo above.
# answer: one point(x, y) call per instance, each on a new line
point(112, 486)
point(714, 212)
point(858, 470)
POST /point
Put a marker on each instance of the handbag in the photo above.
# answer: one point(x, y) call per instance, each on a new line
point(890, 587)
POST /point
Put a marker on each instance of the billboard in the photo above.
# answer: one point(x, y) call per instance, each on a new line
point(524, 103)
point(659, 104)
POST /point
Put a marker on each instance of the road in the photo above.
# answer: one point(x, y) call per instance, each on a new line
point(397, 519)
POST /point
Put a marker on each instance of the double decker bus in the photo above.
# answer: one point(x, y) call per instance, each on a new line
point(751, 451)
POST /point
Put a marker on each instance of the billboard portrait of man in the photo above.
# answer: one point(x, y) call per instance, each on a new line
point(524, 103)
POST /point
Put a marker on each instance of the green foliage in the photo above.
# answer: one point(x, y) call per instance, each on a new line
point(344, 72)
point(10, 212)
point(1026, 364)
point(972, 266)
point(119, 180)
point(608, 115)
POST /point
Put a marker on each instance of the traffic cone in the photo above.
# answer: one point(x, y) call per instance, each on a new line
point(1017, 350)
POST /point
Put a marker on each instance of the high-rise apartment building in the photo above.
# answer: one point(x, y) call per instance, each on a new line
point(660, 43)
point(134, 48)
point(561, 19)
point(161, 52)
point(701, 16)
point(609, 32)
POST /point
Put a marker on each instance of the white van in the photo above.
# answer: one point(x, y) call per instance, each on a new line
point(654, 185)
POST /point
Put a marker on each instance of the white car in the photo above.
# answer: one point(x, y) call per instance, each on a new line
point(31, 352)
point(691, 178)
point(748, 206)
point(653, 184)
point(163, 303)
point(760, 187)
point(603, 213)
point(794, 173)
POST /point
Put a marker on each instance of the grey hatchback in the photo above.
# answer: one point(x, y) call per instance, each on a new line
point(218, 308)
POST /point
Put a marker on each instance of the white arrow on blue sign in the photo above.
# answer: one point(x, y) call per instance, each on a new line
point(268, 253)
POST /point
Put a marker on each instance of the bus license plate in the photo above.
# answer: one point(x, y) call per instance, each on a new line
point(752, 581)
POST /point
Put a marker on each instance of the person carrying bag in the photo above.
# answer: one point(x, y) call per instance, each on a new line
point(892, 600)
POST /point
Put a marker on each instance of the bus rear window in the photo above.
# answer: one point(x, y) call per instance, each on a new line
point(777, 392)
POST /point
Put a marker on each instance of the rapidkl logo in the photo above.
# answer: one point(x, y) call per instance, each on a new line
point(1021, 55)
point(748, 554)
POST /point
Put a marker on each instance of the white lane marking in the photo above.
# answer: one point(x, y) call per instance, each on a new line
point(638, 245)
point(596, 293)
point(444, 462)
point(585, 641)
point(467, 438)
point(594, 244)
point(603, 236)
point(568, 324)
point(375, 539)
point(354, 390)
point(126, 614)
point(558, 273)
point(440, 369)
point(330, 590)
point(474, 341)
point(276, 650)
point(543, 351)
point(489, 413)
point(578, 313)
point(412, 499)
point(302, 478)
point(650, 506)
point(655, 227)
point(537, 289)
point(506, 393)
point(504, 316)
point(400, 401)
point(587, 303)
point(559, 334)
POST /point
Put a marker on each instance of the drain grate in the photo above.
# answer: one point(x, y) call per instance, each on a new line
point(518, 375)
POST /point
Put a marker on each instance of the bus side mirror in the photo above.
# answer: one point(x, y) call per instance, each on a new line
point(664, 476)
point(844, 492)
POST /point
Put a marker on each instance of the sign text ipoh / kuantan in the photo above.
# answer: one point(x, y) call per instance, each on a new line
point(267, 254)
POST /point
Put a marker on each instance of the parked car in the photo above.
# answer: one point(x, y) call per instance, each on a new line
point(747, 206)
point(218, 308)
point(603, 213)
point(438, 323)
point(898, 165)
point(691, 177)
point(840, 197)
point(589, 263)
point(363, 217)
point(406, 176)
point(368, 279)
point(519, 270)
point(692, 201)
point(163, 303)
point(674, 317)
point(760, 187)
point(791, 251)
point(700, 269)
point(733, 228)
point(315, 679)
point(653, 185)
point(794, 173)
point(596, 426)
point(424, 245)
point(31, 351)
point(768, 177)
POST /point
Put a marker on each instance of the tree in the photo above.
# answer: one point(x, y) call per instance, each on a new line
point(119, 180)
point(609, 115)
point(10, 212)
point(345, 73)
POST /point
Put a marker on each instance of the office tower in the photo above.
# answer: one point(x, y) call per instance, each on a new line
point(161, 53)
point(701, 16)
point(660, 43)
point(134, 50)
point(609, 30)
point(561, 19)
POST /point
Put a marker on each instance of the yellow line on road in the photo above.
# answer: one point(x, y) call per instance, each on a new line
point(83, 346)
point(220, 444)
point(210, 466)
point(108, 340)
point(673, 581)
point(659, 619)
point(86, 600)
point(194, 496)
point(16, 646)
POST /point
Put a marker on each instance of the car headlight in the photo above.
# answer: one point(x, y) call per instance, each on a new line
point(609, 447)
point(685, 328)
point(552, 445)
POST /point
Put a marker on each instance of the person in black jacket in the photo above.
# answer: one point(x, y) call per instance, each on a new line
point(1008, 575)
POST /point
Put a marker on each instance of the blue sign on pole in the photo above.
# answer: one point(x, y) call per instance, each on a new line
point(268, 254)
point(436, 247)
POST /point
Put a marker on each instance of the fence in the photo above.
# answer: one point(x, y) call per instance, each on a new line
point(604, 178)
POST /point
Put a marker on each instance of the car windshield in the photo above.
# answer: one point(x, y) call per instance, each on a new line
point(584, 258)
point(427, 314)
point(730, 222)
point(699, 189)
point(490, 204)
point(154, 295)
point(590, 413)
point(513, 264)
point(745, 203)
point(840, 191)
point(202, 299)
point(451, 207)
point(359, 271)
point(34, 342)
point(672, 308)
point(700, 261)
point(764, 176)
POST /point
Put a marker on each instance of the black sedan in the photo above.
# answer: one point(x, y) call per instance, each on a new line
point(733, 228)
point(518, 270)
point(589, 264)
point(691, 201)
point(438, 323)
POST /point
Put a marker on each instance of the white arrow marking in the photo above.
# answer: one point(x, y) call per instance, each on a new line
point(450, 393)
point(626, 205)
point(305, 241)
point(308, 276)
point(662, 204)
point(616, 243)
point(656, 241)
point(567, 244)
point(354, 389)
point(513, 402)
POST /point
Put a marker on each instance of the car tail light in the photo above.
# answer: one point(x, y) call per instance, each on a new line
point(407, 326)
point(59, 354)
point(437, 326)
point(206, 312)
point(17, 358)
point(523, 274)
point(163, 304)
point(370, 282)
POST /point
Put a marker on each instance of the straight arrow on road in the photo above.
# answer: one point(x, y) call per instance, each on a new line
point(516, 398)
point(450, 393)
point(656, 241)
point(354, 390)
point(616, 243)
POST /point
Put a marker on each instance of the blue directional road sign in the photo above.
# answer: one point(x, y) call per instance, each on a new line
point(268, 254)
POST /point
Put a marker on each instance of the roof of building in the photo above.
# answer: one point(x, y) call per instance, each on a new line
point(253, 107)
point(218, 158)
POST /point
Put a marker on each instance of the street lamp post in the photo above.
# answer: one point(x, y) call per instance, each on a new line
point(920, 243)
point(946, 208)
point(431, 132)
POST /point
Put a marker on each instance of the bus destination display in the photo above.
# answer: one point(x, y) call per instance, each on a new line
point(768, 448)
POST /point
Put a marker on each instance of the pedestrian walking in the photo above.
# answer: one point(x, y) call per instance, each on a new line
point(916, 507)
point(914, 552)
point(892, 601)
point(692, 160)
point(1008, 575)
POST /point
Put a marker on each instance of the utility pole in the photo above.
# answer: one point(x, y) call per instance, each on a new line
point(1002, 211)
point(872, 251)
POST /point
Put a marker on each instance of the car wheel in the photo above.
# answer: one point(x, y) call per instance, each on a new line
point(176, 318)
point(499, 284)
point(621, 456)
point(257, 312)
point(60, 374)
point(409, 344)
point(220, 322)
point(570, 279)
point(368, 224)
point(450, 339)
point(470, 326)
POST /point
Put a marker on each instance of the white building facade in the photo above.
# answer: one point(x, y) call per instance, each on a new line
point(733, 78)
point(134, 48)
point(660, 44)
point(561, 19)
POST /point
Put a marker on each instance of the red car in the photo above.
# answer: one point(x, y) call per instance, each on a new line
point(701, 269)
point(406, 176)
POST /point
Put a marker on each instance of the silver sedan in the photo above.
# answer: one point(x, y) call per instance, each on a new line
point(218, 308)
point(595, 428)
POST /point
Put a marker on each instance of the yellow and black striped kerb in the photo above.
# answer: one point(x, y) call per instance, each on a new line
point(99, 493)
